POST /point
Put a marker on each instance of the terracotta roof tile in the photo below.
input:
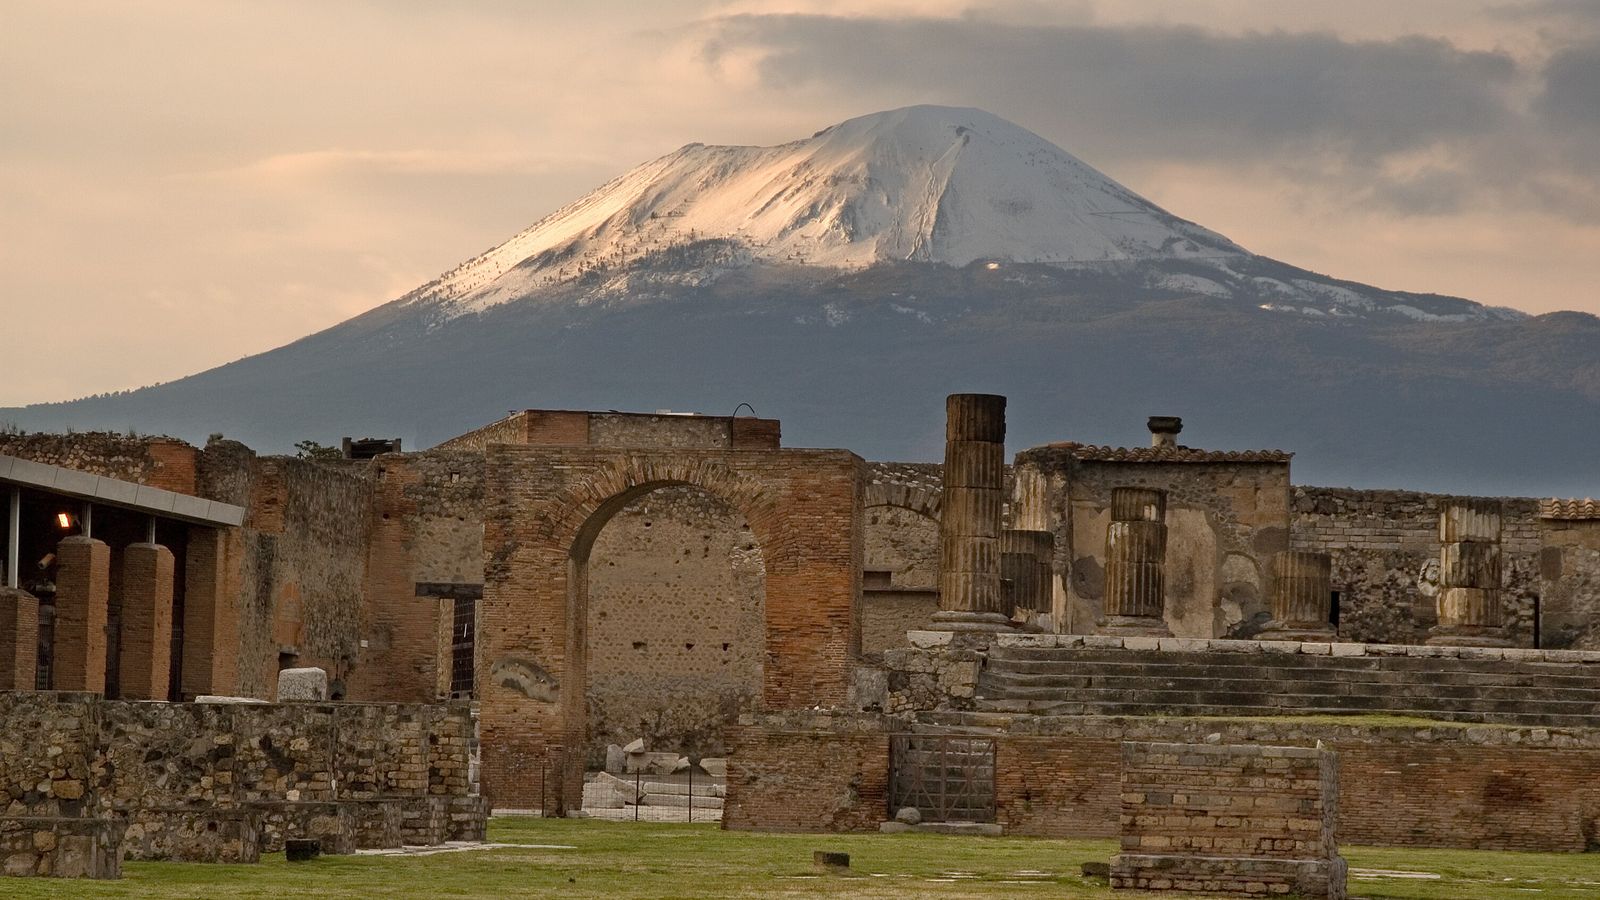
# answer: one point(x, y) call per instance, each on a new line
point(1175, 454)
point(1569, 509)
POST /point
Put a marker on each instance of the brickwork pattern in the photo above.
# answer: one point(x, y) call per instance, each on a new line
point(83, 584)
point(1569, 583)
point(545, 508)
point(145, 660)
point(806, 781)
point(19, 639)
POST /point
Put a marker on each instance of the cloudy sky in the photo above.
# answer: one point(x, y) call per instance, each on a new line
point(185, 182)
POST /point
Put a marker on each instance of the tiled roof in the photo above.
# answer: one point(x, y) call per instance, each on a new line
point(1175, 454)
point(1569, 509)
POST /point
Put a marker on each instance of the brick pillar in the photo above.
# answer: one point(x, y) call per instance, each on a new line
point(1026, 567)
point(210, 616)
point(19, 639)
point(969, 520)
point(145, 660)
point(1301, 598)
point(83, 584)
point(1136, 552)
point(1470, 611)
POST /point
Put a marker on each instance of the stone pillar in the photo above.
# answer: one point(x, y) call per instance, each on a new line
point(83, 584)
point(1026, 567)
point(1302, 594)
point(1470, 611)
point(144, 664)
point(1136, 550)
point(969, 521)
point(19, 639)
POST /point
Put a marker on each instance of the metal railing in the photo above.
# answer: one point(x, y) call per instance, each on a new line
point(945, 777)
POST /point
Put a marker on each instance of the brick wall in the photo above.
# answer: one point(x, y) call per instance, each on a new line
point(544, 508)
point(676, 623)
point(1479, 787)
point(806, 780)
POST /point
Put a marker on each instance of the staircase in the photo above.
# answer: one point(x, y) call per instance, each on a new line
point(1121, 682)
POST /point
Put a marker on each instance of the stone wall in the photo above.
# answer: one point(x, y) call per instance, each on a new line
point(900, 533)
point(1569, 583)
point(676, 623)
point(1224, 521)
point(1385, 549)
point(1475, 787)
point(161, 462)
point(202, 781)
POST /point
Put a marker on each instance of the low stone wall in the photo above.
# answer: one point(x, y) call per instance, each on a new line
point(227, 781)
point(1445, 785)
point(1228, 818)
point(61, 847)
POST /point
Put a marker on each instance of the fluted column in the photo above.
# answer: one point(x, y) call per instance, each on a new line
point(1470, 610)
point(1302, 594)
point(1136, 550)
point(1026, 567)
point(969, 521)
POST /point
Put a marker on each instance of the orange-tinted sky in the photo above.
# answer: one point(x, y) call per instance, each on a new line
point(186, 182)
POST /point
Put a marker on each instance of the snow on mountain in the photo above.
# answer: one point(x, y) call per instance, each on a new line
point(924, 183)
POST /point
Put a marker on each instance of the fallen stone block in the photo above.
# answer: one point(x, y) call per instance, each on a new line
point(304, 685)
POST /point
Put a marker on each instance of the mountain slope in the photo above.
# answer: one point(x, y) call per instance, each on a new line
point(846, 282)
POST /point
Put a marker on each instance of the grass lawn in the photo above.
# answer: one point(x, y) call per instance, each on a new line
point(622, 860)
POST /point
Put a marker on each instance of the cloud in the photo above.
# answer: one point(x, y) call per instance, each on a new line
point(1413, 125)
point(1162, 90)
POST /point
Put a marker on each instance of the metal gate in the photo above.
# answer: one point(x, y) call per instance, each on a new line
point(462, 638)
point(946, 777)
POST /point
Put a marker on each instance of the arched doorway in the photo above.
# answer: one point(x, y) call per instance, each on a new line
point(900, 578)
point(545, 510)
point(675, 612)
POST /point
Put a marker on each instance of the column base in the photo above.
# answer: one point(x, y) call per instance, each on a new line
point(1293, 631)
point(965, 620)
point(1133, 626)
point(1467, 636)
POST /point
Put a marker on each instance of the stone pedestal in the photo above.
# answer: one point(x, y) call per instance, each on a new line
point(1136, 549)
point(969, 523)
point(1470, 607)
point(19, 639)
point(1302, 594)
point(144, 663)
point(83, 584)
point(1026, 569)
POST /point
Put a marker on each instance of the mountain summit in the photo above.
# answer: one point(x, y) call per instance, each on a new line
point(927, 184)
point(848, 281)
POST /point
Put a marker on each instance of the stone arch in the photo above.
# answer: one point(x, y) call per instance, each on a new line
point(545, 508)
point(923, 500)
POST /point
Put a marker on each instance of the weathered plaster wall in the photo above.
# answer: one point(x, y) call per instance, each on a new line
point(676, 623)
point(1224, 522)
point(1385, 549)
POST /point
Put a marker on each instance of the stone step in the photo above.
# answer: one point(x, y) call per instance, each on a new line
point(1203, 693)
point(1001, 683)
point(701, 788)
point(1013, 706)
point(682, 800)
point(1072, 662)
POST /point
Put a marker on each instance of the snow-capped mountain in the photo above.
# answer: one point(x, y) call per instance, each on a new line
point(923, 184)
point(845, 282)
